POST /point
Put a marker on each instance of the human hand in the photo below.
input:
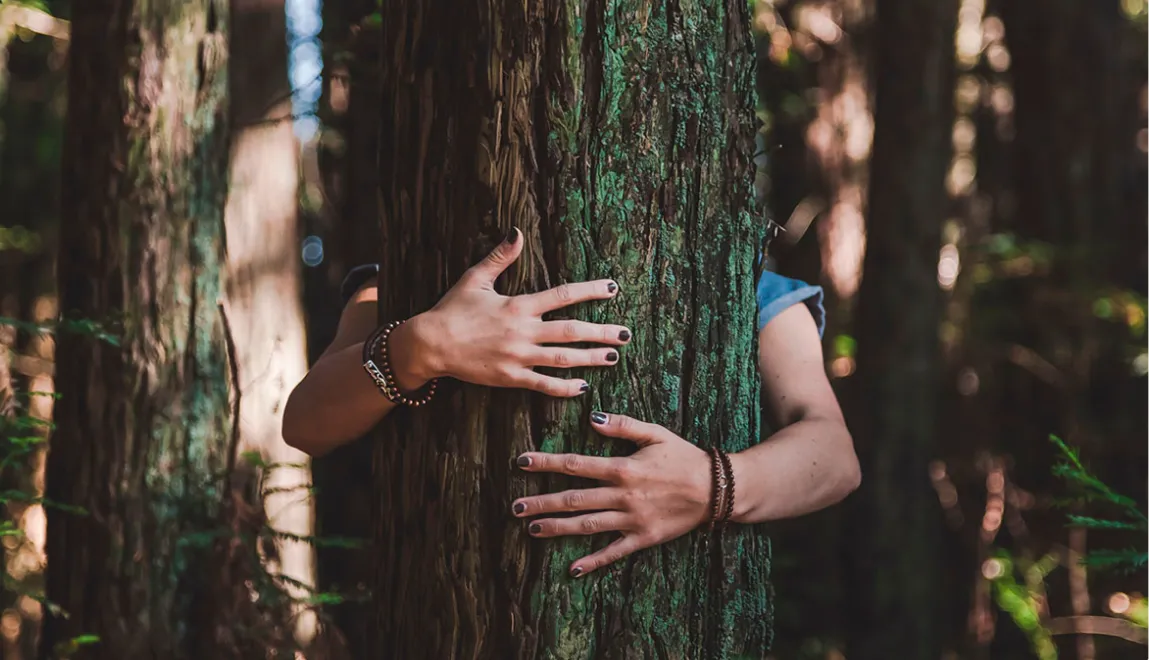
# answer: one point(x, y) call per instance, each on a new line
point(480, 336)
point(657, 494)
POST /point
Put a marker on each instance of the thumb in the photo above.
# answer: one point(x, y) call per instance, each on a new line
point(486, 271)
point(628, 428)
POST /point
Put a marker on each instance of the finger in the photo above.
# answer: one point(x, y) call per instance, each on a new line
point(576, 465)
point(571, 357)
point(621, 547)
point(586, 499)
point(565, 295)
point(549, 385)
point(564, 332)
point(621, 426)
point(591, 523)
point(488, 270)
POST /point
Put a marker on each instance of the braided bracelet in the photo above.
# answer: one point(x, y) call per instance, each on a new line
point(376, 345)
point(729, 470)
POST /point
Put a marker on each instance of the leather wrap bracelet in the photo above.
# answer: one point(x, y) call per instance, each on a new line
point(722, 489)
point(376, 348)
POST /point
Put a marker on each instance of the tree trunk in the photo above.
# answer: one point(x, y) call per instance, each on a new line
point(265, 309)
point(897, 517)
point(618, 137)
point(343, 477)
point(144, 437)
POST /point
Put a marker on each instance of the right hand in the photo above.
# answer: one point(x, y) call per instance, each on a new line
point(477, 335)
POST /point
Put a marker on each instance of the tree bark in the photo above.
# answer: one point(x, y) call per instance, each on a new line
point(896, 516)
point(144, 437)
point(618, 137)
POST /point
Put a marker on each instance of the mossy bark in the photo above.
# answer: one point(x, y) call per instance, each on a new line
point(896, 519)
point(145, 430)
point(618, 137)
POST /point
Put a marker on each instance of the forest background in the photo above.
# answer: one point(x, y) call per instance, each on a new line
point(976, 516)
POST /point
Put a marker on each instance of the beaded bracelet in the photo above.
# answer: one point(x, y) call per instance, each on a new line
point(376, 345)
point(722, 489)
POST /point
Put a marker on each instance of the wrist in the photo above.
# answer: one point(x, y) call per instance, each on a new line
point(414, 358)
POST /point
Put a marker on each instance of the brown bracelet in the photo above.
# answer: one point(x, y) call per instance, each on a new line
point(376, 345)
point(729, 470)
point(722, 491)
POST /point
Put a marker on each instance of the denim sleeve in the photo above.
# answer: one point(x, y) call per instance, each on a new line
point(776, 293)
point(357, 277)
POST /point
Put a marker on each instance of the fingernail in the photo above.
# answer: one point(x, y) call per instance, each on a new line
point(585, 387)
point(624, 335)
point(523, 461)
point(598, 418)
point(512, 235)
point(519, 507)
point(612, 357)
point(576, 571)
point(535, 528)
point(612, 287)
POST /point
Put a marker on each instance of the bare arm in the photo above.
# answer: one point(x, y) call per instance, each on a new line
point(810, 463)
point(473, 334)
point(663, 490)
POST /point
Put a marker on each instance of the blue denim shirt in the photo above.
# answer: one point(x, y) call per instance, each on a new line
point(775, 294)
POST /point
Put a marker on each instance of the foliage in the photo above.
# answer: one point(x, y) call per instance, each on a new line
point(1091, 490)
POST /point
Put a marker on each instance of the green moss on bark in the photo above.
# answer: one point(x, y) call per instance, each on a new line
point(617, 136)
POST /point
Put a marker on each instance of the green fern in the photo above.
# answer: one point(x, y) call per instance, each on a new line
point(1092, 490)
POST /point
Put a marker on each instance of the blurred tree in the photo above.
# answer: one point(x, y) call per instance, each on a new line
point(145, 431)
point(618, 137)
point(348, 150)
point(31, 128)
point(896, 519)
point(264, 280)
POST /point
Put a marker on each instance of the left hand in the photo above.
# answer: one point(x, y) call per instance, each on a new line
point(657, 494)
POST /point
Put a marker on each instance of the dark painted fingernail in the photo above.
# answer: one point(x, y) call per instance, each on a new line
point(612, 287)
point(512, 235)
point(598, 418)
point(535, 528)
point(520, 507)
point(612, 357)
point(585, 387)
point(576, 571)
point(523, 461)
point(624, 335)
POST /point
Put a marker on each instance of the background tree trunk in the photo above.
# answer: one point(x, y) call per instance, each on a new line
point(618, 138)
point(896, 517)
point(265, 309)
point(145, 437)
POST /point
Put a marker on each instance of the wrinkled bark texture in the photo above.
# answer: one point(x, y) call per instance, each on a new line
point(618, 138)
point(144, 435)
point(896, 518)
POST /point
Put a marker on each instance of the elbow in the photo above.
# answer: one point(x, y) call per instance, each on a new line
point(294, 430)
point(850, 476)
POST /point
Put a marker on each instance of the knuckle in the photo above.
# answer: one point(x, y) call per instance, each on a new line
point(514, 306)
point(563, 293)
point(571, 330)
point(624, 472)
point(561, 358)
point(590, 524)
point(573, 500)
point(572, 463)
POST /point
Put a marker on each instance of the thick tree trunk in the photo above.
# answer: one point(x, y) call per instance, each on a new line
point(145, 436)
point(897, 518)
point(618, 138)
point(263, 279)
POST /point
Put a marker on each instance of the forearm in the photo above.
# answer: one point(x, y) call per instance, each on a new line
point(805, 467)
point(338, 402)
